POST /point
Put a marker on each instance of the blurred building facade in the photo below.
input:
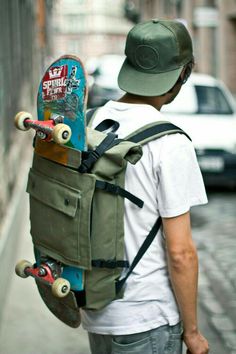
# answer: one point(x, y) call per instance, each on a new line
point(89, 28)
point(23, 38)
point(212, 24)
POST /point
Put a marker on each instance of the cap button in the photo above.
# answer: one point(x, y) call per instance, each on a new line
point(155, 20)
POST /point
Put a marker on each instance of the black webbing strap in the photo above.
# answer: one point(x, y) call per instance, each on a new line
point(156, 129)
point(111, 263)
point(114, 189)
point(147, 242)
point(91, 157)
point(108, 125)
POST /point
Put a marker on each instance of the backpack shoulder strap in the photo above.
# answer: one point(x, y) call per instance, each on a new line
point(107, 125)
point(154, 131)
point(145, 245)
point(142, 136)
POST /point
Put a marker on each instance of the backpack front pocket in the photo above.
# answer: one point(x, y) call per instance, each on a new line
point(60, 214)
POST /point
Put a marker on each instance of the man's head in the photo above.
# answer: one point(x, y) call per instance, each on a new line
point(156, 51)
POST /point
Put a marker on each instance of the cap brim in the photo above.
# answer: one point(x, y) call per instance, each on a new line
point(146, 84)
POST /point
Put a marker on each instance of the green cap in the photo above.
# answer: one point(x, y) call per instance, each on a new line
point(156, 52)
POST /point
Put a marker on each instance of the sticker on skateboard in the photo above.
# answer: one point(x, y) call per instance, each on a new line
point(61, 105)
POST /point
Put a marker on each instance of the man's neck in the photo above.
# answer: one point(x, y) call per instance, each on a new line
point(156, 102)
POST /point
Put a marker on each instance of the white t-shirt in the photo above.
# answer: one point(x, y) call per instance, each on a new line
point(169, 181)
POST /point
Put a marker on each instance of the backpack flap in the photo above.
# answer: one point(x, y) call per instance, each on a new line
point(114, 160)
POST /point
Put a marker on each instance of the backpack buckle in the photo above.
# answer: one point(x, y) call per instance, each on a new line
point(86, 165)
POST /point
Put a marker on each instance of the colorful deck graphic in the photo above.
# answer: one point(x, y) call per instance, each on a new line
point(63, 92)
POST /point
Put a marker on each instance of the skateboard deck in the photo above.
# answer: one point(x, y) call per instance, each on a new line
point(60, 134)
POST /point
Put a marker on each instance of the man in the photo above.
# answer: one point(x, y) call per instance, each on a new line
point(162, 290)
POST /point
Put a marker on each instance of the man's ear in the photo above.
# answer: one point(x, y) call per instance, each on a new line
point(186, 72)
point(182, 75)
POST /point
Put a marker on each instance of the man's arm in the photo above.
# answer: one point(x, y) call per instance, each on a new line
point(183, 269)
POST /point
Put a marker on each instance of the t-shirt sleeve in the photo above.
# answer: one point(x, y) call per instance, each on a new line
point(180, 181)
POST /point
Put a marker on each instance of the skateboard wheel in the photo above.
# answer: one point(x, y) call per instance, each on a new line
point(20, 119)
point(60, 287)
point(61, 134)
point(21, 267)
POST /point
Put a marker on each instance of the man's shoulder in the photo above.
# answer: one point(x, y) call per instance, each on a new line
point(131, 117)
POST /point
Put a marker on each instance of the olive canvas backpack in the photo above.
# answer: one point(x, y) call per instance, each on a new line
point(77, 212)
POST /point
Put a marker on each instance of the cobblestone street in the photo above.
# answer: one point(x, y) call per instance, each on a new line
point(214, 233)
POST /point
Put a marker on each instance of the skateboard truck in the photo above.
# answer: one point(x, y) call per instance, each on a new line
point(48, 130)
point(48, 272)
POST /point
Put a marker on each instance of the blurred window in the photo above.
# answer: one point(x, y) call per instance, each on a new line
point(74, 24)
point(211, 100)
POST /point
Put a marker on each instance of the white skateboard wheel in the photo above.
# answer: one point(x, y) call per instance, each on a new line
point(20, 120)
point(61, 134)
point(60, 287)
point(21, 267)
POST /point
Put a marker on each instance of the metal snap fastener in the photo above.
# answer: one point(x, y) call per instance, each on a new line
point(67, 202)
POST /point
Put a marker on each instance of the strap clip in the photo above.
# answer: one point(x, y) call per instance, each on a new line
point(110, 263)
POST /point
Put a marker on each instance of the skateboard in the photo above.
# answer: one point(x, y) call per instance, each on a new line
point(60, 131)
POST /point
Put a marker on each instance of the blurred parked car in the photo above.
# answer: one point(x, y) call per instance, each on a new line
point(206, 110)
point(104, 72)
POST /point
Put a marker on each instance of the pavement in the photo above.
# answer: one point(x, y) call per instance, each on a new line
point(214, 233)
point(28, 327)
